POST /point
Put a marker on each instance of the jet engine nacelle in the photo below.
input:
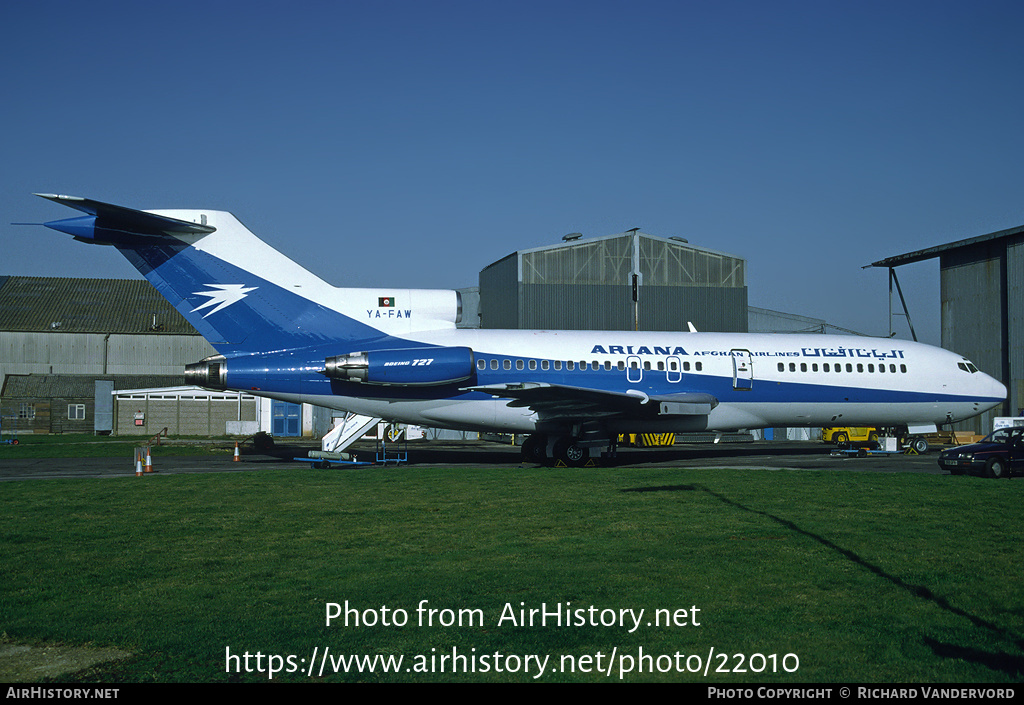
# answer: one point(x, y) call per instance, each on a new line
point(414, 367)
point(210, 372)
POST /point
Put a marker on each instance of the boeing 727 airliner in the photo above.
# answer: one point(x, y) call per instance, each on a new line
point(283, 333)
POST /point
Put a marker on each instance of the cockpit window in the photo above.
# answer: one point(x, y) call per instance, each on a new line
point(967, 366)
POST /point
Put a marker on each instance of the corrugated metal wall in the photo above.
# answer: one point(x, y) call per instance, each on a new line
point(90, 353)
point(499, 294)
point(1015, 321)
point(975, 316)
point(588, 285)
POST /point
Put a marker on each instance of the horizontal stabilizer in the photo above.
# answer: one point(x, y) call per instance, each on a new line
point(108, 219)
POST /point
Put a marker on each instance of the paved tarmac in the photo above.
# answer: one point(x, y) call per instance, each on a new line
point(808, 455)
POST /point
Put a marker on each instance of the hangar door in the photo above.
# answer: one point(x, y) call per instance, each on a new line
point(287, 418)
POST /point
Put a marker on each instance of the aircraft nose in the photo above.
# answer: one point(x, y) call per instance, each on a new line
point(994, 389)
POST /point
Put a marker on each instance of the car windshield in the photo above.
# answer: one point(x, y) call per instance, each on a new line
point(1003, 435)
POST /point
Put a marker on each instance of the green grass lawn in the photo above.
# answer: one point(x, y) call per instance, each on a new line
point(860, 576)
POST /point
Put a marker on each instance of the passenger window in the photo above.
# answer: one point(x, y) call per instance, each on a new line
point(826, 367)
point(507, 364)
point(481, 364)
point(533, 364)
point(494, 364)
point(570, 365)
point(544, 364)
point(519, 364)
point(700, 366)
point(803, 366)
point(558, 364)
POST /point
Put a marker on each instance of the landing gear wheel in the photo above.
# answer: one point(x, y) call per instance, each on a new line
point(570, 453)
point(535, 449)
point(920, 445)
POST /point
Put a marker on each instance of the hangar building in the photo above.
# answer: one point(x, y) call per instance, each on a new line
point(982, 292)
point(85, 355)
point(628, 281)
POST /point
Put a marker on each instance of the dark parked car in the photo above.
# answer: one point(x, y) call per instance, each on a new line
point(999, 454)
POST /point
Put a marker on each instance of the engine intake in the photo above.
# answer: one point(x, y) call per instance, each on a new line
point(414, 367)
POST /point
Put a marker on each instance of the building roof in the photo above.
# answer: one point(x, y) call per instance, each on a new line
point(79, 386)
point(612, 259)
point(70, 305)
point(931, 252)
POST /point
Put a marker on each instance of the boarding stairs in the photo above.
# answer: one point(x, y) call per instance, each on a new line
point(345, 432)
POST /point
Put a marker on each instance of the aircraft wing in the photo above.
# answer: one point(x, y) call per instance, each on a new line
point(566, 402)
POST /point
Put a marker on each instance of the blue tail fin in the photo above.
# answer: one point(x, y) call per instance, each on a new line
point(238, 292)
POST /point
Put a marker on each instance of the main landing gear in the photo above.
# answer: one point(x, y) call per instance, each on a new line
point(563, 450)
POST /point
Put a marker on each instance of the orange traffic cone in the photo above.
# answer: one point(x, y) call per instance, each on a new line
point(138, 462)
point(149, 460)
point(237, 458)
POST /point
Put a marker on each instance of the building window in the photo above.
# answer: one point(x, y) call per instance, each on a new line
point(26, 411)
point(76, 412)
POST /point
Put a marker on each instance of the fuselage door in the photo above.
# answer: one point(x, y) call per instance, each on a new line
point(634, 370)
point(742, 370)
point(673, 370)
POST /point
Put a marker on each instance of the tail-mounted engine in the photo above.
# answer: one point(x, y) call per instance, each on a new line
point(415, 367)
point(210, 372)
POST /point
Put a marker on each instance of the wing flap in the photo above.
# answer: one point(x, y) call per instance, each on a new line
point(563, 401)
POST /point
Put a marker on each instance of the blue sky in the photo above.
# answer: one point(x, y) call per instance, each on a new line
point(411, 144)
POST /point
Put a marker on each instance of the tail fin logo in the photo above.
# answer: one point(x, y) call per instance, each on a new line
point(223, 296)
